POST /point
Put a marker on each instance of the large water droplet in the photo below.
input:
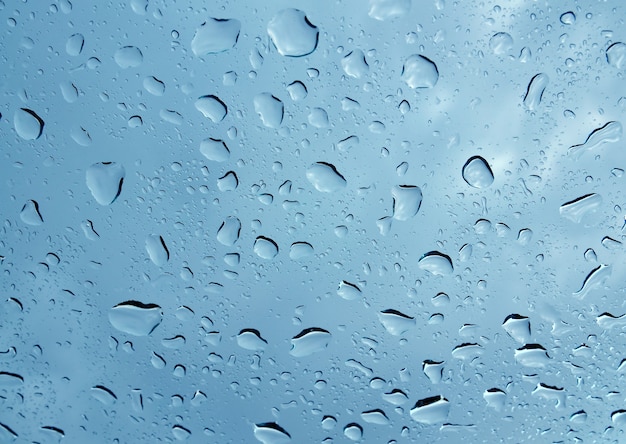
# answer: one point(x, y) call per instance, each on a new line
point(431, 410)
point(228, 233)
point(271, 433)
point(157, 250)
point(135, 318)
point(376, 416)
point(388, 9)
point(535, 90)
point(292, 33)
point(477, 173)
point(607, 321)
point(616, 55)
point(103, 394)
point(128, 57)
point(228, 182)
point(501, 43)
point(433, 370)
point(154, 86)
point(7, 434)
point(550, 393)
point(212, 107)
point(610, 132)
point(10, 380)
point(270, 109)
point(576, 209)
point(407, 200)
point(300, 250)
point(104, 180)
point(354, 64)
point(595, 279)
point(215, 35)
point(568, 18)
point(28, 125)
point(518, 327)
point(30, 214)
point(309, 341)
point(532, 355)
point(74, 45)
point(353, 431)
point(250, 339)
point(348, 291)
point(265, 248)
point(495, 398)
point(318, 117)
point(325, 177)
point(467, 351)
point(214, 149)
point(419, 72)
point(436, 263)
point(396, 322)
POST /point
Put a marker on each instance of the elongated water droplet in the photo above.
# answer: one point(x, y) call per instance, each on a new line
point(348, 291)
point(135, 318)
point(467, 351)
point(419, 71)
point(436, 263)
point(154, 86)
point(325, 177)
point(532, 355)
point(10, 380)
point(396, 322)
point(556, 394)
point(376, 416)
point(271, 433)
point(477, 172)
point(251, 339)
point(616, 55)
point(103, 394)
point(7, 434)
point(104, 180)
point(157, 250)
point(431, 410)
point(595, 279)
point(292, 33)
point(211, 107)
point(214, 149)
point(28, 125)
point(610, 132)
point(309, 341)
point(535, 90)
point(608, 321)
point(128, 57)
point(518, 327)
point(576, 209)
point(228, 232)
point(214, 36)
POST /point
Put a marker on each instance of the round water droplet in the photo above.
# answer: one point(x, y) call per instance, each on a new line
point(211, 107)
point(250, 339)
point(501, 43)
point(214, 36)
point(477, 173)
point(292, 33)
point(128, 57)
point(353, 431)
point(325, 177)
point(436, 263)
point(104, 180)
point(300, 250)
point(180, 433)
point(616, 55)
point(419, 72)
point(30, 214)
point(135, 318)
point(309, 341)
point(214, 149)
point(28, 125)
point(265, 248)
point(568, 18)
point(270, 109)
point(318, 118)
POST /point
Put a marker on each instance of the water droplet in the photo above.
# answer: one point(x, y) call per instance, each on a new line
point(568, 18)
point(228, 233)
point(534, 92)
point(30, 214)
point(309, 341)
point(157, 250)
point(103, 394)
point(318, 118)
point(74, 45)
point(467, 351)
point(395, 397)
point(81, 136)
point(348, 291)
point(607, 321)
point(154, 86)
point(407, 200)
point(157, 361)
point(28, 125)
point(270, 109)
point(265, 248)
point(354, 64)
point(431, 410)
point(595, 279)
point(300, 250)
point(297, 90)
point(180, 432)
point(174, 343)
point(10, 380)
point(477, 172)
point(610, 132)
point(376, 416)
point(576, 209)
point(329, 422)
point(578, 417)
point(518, 327)
point(353, 431)
point(271, 433)
point(228, 182)
point(436, 263)
point(419, 72)
point(433, 370)
point(128, 57)
point(618, 417)
point(388, 9)
point(214, 36)
point(396, 322)
point(610, 243)
point(550, 393)
point(532, 355)
point(495, 398)
point(69, 92)
point(212, 108)
point(292, 33)
point(501, 43)
point(215, 150)
point(7, 434)
point(104, 180)
point(325, 177)
point(616, 55)
point(250, 339)
point(135, 318)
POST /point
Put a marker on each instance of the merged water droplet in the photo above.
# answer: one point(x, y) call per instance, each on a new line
point(396, 322)
point(501, 43)
point(214, 36)
point(270, 109)
point(271, 433)
point(616, 55)
point(607, 321)
point(576, 209)
point(407, 200)
point(250, 339)
point(228, 232)
point(388, 9)
point(214, 149)
point(436, 263)
point(30, 214)
point(104, 180)
point(309, 341)
point(535, 90)
point(433, 370)
point(135, 318)
point(431, 410)
point(419, 71)
point(354, 64)
point(128, 57)
point(292, 33)
point(28, 125)
point(265, 248)
point(477, 172)
point(212, 107)
point(610, 132)
point(325, 177)
point(157, 250)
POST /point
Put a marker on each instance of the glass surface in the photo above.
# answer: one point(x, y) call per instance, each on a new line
point(384, 221)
